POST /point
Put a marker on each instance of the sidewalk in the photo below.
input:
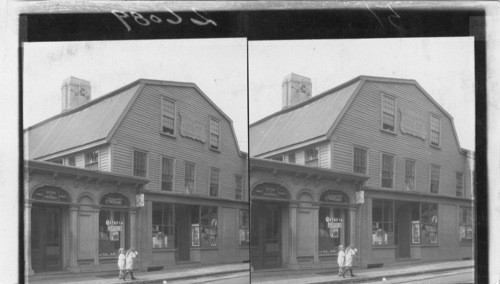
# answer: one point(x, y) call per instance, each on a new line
point(362, 275)
point(150, 276)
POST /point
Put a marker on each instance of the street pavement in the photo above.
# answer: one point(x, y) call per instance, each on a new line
point(154, 276)
point(447, 277)
point(362, 275)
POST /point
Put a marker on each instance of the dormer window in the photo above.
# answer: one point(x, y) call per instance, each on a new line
point(92, 160)
point(167, 116)
point(435, 130)
point(388, 113)
point(311, 157)
point(214, 134)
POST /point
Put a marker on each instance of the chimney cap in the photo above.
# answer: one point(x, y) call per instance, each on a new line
point(74, 80)
point(296, 77)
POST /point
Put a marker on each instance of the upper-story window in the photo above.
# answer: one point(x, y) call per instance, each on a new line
point(214, 182)
point(311, 157)
point(277, 158)
point(71, 161)
point(291, 158)
point(92, 160)
point(360, 160)
point(460, 184)
point(238, 187)
point(57, 161)
point(140, 163)
point(387, 170)
point(214, 134)
point(189, 175)
point(435, 178)
point(410, 174)
point(388, 113)
point(167, 174)
point(167, 116)
point(435, 130)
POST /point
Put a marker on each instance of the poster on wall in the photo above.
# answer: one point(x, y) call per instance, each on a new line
point(415, 232)
point(195, 235)
point(468, 234)
point(462, 232)
point(433, 237)
point(114, 236)
point(334, 233)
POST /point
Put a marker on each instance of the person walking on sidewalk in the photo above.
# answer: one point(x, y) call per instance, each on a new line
point(129, 263)
point(121, 263)
point(341, 259)
point(349, 255)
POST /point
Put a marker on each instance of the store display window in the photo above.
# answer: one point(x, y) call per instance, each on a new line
point(465, 230)
point(113, 226)
point(331, 229)
point(163, 225)
point(382, 222)
point(429, 223)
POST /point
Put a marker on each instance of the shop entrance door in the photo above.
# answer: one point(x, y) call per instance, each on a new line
point(183, 230)
point(266, 235)
point(46, 244)
point(403, 229)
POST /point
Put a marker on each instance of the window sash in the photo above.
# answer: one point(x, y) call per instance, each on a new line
point(435, 130)
point(214, 133)
point(92, 160)
point(239, 187)
point(410, 174)
point(168, 116)
point(360, 160)
point(140, 163)
point(434, 179)
point(167, 174)
point(214, 182)
point(388, 113)
point(189, 174)
point(460, 184)
point(387, 170)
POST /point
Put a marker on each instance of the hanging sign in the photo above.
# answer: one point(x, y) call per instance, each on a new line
point(270, 190)
point(50, 193)
point(360, 197)
point(139, 200)
point(195, 235)
point(334, 196)
point(192, 128)
point(115, 200)
point(412, 124)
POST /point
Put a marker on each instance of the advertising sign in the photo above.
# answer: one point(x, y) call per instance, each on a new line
point(139, 200)
point(195, 235)
point(415, 232)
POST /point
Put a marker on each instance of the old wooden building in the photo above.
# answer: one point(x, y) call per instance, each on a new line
point(387, 175)
point(172, 161)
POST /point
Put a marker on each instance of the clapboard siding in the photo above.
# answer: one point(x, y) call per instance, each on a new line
point(104, 157)
point(299, 157)
point(362, 124)
point(140, 129)
point(324, 155)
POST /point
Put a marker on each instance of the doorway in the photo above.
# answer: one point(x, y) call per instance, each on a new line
point(46, 238)
point(402, 230)
point(183, 226)
point(265, 235)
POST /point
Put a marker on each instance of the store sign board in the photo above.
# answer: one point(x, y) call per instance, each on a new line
point(334, 196)
point(50, 193)
point(115, 200)
point(139, 200)
point(412, 124)
point(270, 190)
point(360, 197)
point(192, 128)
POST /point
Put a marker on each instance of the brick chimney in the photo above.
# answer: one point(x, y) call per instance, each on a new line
point(74, 93)
point(295, 89)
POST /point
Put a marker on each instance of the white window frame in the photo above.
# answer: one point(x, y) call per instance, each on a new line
point(430, 178)
point(382, 112)
point(354, 160)
point(212, 132)
point(414, 173)
point(161, 172)
point(210, 181)
point(314, 148)
point(162, 111)
point(90, 163)
point(382, 169)
point(461, 185)
point(435, 116)
point(194, 177)
point(146, 163)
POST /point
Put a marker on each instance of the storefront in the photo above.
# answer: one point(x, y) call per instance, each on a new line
point(77, 219)
point(300, 215)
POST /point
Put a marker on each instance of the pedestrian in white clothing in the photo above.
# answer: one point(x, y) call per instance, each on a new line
point(341, 259)
point(129, 263)
point(349, 255)
point(121, 263)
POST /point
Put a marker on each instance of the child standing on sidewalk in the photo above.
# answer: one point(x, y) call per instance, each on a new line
point(121, 263)
point(349, 255)
point(341, 259)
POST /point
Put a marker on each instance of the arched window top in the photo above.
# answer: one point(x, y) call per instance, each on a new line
point(334, 196)
point(270, 190)
point(114, 200)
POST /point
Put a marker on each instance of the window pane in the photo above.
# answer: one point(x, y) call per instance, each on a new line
point(167, 174)
point(189, 174)
point(387, 170)
point(140, 163)
point(214, 182)
point(359, 160)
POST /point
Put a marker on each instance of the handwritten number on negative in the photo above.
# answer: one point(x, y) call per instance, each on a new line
point(389, 18)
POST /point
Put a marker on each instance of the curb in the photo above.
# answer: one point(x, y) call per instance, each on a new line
point(379, 278)
point(184, 277)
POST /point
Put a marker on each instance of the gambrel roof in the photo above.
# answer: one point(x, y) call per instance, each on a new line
point(315, 119)
point(93, 123)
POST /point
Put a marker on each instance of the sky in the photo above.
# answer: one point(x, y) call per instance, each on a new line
point(444, 67)
point(217, 66)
